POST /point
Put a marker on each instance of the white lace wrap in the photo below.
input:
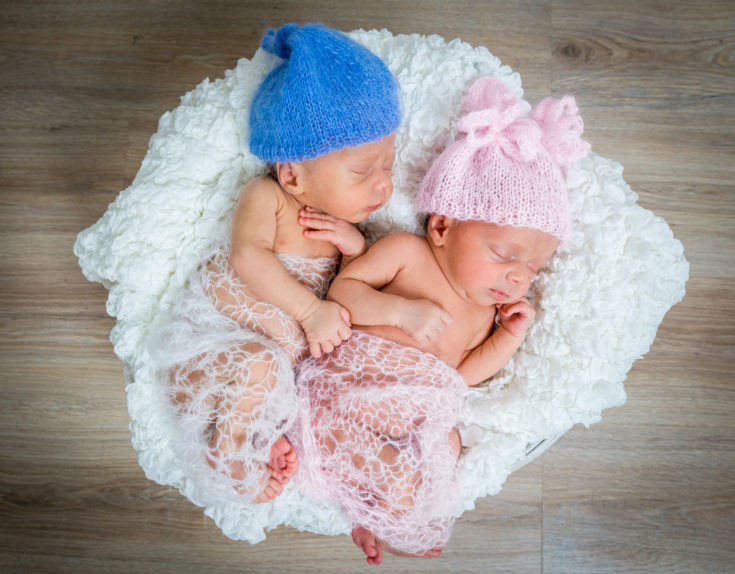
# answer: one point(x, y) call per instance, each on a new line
point(225, 359)
point(603, 297)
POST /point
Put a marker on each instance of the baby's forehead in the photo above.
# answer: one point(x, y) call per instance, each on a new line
point(519, 239)
point(370, 150)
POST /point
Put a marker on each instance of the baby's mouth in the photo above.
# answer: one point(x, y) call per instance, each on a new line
point(498, 295)
point(376, 207)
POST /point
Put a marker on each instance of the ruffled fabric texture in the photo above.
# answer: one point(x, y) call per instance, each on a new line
point(599, 302)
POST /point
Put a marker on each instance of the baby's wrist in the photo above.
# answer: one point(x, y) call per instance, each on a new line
point(399, 313)
point(511, 333)
point(309, 310)
point(355, 250)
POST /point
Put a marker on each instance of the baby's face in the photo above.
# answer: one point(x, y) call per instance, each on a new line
point(491, 264)
point(352, 182)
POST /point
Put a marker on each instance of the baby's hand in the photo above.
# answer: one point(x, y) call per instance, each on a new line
point(517, 317)
point(326, 327)
point(423, 320)
point(340, 233)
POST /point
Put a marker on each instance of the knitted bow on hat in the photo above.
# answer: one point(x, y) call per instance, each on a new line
point(505, 166)
point(497, 117)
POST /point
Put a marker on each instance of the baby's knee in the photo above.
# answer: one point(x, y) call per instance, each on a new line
point(258, 367)
point(455, 442)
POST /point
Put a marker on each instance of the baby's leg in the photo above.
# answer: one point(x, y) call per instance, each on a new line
point(455, 442)
point(250, 377)
point(365, 469)
point(382, 404)
point(394, 414)
point(235, 399)
point(374, 547)
point(374, 479)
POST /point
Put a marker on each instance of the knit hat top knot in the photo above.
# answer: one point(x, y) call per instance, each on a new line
point(277, 42)
point(506, 165)
point(329, 93)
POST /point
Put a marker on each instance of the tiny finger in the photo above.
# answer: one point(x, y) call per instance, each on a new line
point(316, 223)
point(321, 234)
point(316, 214)
point(345, 333)
point(345, 314)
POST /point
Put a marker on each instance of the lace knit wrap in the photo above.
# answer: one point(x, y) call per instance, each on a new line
point(228, 359)
point(506, 166)
point(372, 434)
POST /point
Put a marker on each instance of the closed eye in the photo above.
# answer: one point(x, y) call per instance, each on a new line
point(501, 255)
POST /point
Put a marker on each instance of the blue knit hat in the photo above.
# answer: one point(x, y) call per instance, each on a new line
point(328, 94)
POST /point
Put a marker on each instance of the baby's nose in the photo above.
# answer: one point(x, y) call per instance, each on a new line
point(384, 187)
point(517, 273)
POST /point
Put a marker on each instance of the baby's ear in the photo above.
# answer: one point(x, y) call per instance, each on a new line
point(438, 228)
point(291, 175)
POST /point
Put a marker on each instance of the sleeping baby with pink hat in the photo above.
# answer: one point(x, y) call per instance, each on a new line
point(432, 316)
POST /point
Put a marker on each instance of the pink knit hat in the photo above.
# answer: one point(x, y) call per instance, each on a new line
point(508, 168)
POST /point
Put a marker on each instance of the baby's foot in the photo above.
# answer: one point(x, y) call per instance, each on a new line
point(366, 541)
point(283, 458)
point(373, 548)
point(281, 468)
point(284, 461)
point(273, 487)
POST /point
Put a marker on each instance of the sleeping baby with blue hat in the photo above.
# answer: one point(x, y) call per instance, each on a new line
point(324, 121)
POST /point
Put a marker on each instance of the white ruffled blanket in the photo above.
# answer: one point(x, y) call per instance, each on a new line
point(603, 297)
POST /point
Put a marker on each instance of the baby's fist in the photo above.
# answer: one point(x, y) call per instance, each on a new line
point(325, 327)
point(423, 320)
point(517, 317)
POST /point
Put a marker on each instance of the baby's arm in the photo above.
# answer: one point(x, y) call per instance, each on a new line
point(488, 358)
point(326, 324)
point(358, 288)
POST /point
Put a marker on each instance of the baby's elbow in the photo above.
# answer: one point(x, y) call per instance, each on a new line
point(244, 258)
point(237, 260)
point(336, 290)
point(466, 375)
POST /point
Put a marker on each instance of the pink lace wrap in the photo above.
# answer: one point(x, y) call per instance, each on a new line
point(227, 362)
point(372, 434)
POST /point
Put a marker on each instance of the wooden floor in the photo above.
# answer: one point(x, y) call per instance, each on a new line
point(649, 489)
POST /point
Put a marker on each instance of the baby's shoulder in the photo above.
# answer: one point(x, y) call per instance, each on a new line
point(261, 195)
point(401, 240)
point(262, 186)
point(409, 247)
